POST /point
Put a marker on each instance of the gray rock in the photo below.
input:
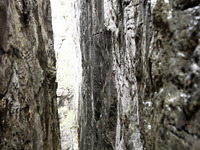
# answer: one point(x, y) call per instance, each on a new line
point(141, 77)
point(28, 108)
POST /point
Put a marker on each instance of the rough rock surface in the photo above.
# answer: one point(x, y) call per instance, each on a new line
point(141, 75)
point(28, 109)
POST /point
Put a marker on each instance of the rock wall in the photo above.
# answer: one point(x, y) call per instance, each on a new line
point(28, 108)
point(141, 75)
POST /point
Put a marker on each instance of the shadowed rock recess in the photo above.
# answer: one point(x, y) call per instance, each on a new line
point(141, 75)
point(28, 109)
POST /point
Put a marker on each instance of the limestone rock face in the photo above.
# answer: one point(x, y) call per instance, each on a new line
point(28, 108)
point(141, 75)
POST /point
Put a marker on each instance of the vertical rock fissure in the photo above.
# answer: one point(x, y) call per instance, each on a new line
point(68, 58)
point(127, 73)
point(92, 68)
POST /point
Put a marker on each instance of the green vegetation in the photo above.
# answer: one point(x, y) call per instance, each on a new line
point(69, 119)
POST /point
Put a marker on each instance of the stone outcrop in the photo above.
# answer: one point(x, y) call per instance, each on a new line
point(28, 108)
point(141, 75)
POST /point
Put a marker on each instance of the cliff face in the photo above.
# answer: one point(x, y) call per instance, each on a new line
point(141, 76)
point(28, 109)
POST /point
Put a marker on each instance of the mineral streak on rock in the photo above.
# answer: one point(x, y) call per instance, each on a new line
point(141, 75)
point(28, 109)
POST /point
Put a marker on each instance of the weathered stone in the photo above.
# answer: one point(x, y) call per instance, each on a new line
point(28, 108)
point(141, 76)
